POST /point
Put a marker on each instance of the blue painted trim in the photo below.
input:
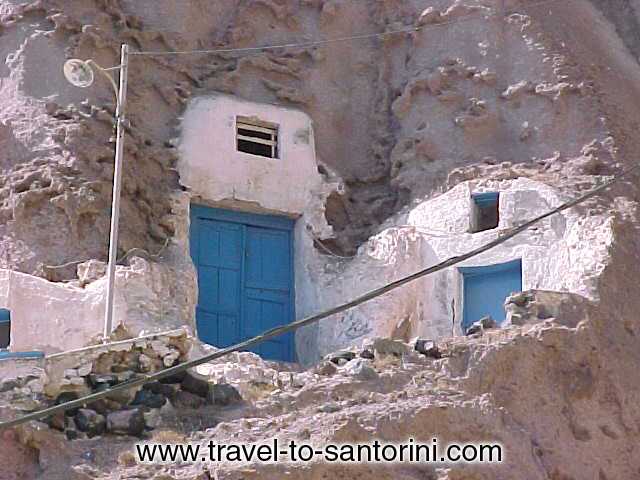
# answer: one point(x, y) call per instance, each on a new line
point(292, 300)
point(244, 218)
point(470, 272)
point(485, 269)
point(201, 212)
point(5, 315)
point(485, 199)
point(243, 274)
point(7, 354)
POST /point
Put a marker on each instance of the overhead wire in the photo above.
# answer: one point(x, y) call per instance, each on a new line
point(349, 38)
point(501, 238)
point(277, 331)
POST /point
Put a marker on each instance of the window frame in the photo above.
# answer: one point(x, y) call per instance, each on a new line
point(262, 127)
point(480, 201)
point(5, 321)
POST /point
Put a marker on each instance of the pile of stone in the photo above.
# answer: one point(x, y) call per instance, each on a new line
point(137, 412)
point(72, 375)
point(22, 392)
point(377, 348)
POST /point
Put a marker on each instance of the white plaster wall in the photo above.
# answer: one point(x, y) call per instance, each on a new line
point(55, 317)
point(216, 174)
point(563, 253)
point(46, 316)
point(566, 252)
point(211, 167)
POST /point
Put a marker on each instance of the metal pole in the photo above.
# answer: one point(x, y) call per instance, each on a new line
point(117, 186)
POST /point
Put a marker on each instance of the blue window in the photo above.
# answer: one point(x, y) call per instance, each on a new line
point(486, 288)
point(245, 278)
point(5, 328)
point(485, 213)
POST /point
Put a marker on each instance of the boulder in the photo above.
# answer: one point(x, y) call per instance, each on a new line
point(57, 421)
point(65, 397)
point(185, 399)
point(168, 390)
point(174, 378)
point(126, 422)
point(428, 348)
point(196, 384)
point(360, 370)
point(368, 354)
point(223, 394)
point(90, 422)
point(96, 379)
point(484, 323)
point(149, 399)
point(341, 357)
point(105, 405)
point(386, 346)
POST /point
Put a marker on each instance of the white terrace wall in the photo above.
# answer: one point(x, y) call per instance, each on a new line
point(55, 317)
point(566, 252)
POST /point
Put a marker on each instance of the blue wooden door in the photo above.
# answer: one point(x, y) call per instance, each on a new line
point(486, 288)
point(245, 278)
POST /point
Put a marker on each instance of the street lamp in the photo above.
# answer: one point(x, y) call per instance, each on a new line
point(80, 73)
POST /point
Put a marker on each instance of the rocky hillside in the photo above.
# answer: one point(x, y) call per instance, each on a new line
point(502, 84)
point(562, 401)
point(485, 89)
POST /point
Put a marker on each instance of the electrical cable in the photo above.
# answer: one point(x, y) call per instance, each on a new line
point(328, 41)
point(277, 331)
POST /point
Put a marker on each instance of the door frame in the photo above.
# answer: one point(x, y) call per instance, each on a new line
point(469, 272)
point(273, 222)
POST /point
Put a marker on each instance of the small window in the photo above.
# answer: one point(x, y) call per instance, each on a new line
point(485, 213)
point(257, 137)
point(5, 328)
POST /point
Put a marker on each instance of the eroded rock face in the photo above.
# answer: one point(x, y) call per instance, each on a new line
point(476, 389)
point(371, 127)
point(549, 94)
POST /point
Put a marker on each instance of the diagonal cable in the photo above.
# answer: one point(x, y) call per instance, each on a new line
point(274, 332)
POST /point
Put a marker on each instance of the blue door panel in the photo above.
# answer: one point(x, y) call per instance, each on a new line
point(268, 258)
point(219, 289)
point(265, 314)
point(220, 245)
point(486, 288)
point(245, 278)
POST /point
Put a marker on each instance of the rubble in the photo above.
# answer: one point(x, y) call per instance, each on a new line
point(90, 422)
point(478, 327)
point(428, 348)
point(126, 422)
point(539, 105)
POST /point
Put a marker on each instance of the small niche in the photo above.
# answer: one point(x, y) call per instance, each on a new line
point(5, 328)
point(485, 214)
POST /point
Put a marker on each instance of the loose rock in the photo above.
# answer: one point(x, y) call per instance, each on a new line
point(90, 422)
point(223, 394)
point(185, 399)
point(149, 399)
point(126, 422)
point(428, 348)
